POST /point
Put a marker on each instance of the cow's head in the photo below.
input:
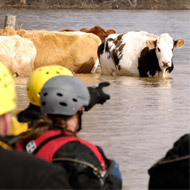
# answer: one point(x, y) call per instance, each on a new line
point(164, 46)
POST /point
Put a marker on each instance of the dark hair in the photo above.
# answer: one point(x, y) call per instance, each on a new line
point(51, 122)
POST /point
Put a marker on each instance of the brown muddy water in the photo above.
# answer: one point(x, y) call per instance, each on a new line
point(144, 117)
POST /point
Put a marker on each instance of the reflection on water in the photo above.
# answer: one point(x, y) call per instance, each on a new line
point(144, 116)
point(136, 126)
point(145, 82)
point(151, 82)
point(22, 98)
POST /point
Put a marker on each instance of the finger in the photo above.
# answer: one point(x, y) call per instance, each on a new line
point(103, 84)
point(106, 97)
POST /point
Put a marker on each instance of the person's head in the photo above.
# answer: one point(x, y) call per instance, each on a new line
point(39, 77)
point(62, 99)
point(7, 99)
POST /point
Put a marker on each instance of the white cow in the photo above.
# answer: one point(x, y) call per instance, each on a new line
point(138, 54)
point(18, 54)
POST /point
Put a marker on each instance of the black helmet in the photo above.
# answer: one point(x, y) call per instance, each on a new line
point(63, 95)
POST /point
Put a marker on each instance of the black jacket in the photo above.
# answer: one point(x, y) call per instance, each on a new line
point(85, 164)
point(173, 171)
point(80, 175)
point(19, 170)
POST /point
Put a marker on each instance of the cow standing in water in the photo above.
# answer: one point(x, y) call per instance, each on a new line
point(18, 54)
point(138, 54)
point(77, 51)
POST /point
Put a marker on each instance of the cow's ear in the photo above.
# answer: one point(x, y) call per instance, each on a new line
point(144, 51)
point(179, 43)
point(151, 44)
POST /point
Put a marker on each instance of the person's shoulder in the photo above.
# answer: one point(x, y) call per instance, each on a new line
point(37, 172)
point(25, 159)
point(77, 146)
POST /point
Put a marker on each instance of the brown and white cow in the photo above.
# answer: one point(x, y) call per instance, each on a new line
point(77, 51)
point(18, 54)
point(138, 54)
point(97, 30)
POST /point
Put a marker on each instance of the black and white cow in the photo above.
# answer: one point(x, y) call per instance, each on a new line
point(138, 54)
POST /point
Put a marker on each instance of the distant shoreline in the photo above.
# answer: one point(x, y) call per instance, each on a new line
point(108, 6)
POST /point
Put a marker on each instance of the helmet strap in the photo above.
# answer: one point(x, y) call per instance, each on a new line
point(6, 118)
point(80, 120)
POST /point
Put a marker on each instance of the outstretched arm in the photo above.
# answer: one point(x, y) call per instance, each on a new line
point(97, 96)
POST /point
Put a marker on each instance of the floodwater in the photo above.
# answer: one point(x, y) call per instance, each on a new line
point(144, 117)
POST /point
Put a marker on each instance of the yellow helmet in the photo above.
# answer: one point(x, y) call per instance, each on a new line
point(39, 77)
point(18, 127)
point(7, 90)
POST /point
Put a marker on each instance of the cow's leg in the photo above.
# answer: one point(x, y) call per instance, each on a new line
point(95, 66)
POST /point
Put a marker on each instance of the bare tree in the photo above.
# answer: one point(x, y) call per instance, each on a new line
point(131, 2)
point(23, 2)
